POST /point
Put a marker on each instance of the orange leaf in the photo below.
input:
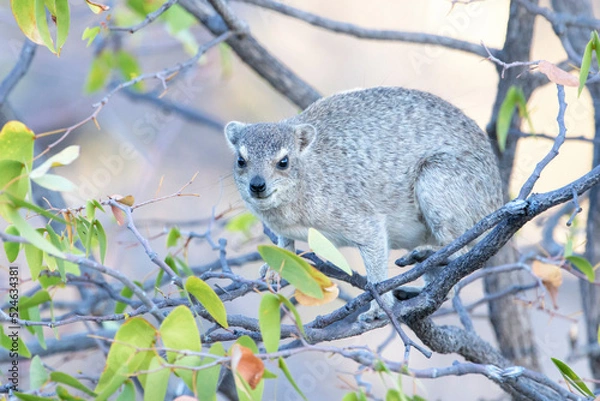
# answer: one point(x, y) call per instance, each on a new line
point(329, 295)
point(551, 277)
point(185, 398)
point(119, 215)
point(557, 75)
point(247, 365)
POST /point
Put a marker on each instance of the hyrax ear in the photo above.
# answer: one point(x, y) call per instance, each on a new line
point(233, 132)
point(305, 134)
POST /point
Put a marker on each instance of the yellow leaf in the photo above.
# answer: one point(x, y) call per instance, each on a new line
point(329, 295)
point(128, 200)
point(551, 277)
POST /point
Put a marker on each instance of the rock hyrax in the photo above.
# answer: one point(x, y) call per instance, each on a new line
point(377, 169)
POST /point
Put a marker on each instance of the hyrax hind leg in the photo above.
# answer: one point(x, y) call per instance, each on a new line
point(448, 196)
point(374, 249)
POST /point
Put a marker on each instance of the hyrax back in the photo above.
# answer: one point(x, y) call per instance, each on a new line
point(375, 169)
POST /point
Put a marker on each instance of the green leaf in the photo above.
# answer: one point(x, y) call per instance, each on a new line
point(120, 306)
point(18, 203)
point(292, 268)
point(128, 392)
point(350, 397)
point(290, 306)
point(123, 357)
point(584, 266)
point(586, 63)
point(514, 98)
point(38, 298)
point(113, 383)
point(226, 59)
point(38, 375)
point(208, 298)
point(62, 158)
point(129, 68)
point(241, 223)
point(60, 264)
point(326, 250)
point(34, 260)
point(64, 394)
point(12, 248)
point(6, 341)
point(572, 377)
point(32, 235)
point(208, 379)
point(63, 18)
point(63, 378)
point(33, 314)
point(14, 184)
point(41, 21)
point(90, 34)
point(173, 236)
point(100, 235)
point(157, 381)
point(290, 378)
point(179, 331)
point(99, 72)
point(269, 321)
point(178, 19)
point(393, 395)
point(30, 397)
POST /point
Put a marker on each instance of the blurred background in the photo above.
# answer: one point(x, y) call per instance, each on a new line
point(146, 152)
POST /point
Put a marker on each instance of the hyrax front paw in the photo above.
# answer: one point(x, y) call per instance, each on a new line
point(375, 312)
point(416, 256)
point(268, 274)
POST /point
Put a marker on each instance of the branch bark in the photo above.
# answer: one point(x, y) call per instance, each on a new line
point(590, 294)
point(279, 76)
point(511, 321)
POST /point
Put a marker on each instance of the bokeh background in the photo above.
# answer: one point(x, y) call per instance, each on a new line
point(146, 152)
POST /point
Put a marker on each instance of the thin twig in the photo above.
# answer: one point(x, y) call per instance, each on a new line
point(152, 255)
point(560, 139)
point(148, 20)
point(408, 342)
point(163, 76)
point(506, 66)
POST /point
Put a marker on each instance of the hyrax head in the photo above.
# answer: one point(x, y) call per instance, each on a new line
point(268, 160)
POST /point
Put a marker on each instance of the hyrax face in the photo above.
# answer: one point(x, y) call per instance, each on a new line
point(267, 161)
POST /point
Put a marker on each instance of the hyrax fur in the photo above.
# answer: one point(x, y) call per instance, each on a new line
point(377, 169)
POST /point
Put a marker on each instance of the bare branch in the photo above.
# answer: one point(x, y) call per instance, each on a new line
point(560, 139)
point(18, 71)
point(367, 33)
point(148, 20)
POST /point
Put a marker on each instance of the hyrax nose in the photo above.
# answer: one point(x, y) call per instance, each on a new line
point(257, 186)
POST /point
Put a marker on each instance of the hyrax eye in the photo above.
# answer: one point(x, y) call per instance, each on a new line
point(241, 162)
point(283, 163)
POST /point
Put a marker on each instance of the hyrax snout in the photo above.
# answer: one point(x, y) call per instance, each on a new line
point(377, 169)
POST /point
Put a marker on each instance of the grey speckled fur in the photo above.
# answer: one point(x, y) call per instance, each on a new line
point(377, 169)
